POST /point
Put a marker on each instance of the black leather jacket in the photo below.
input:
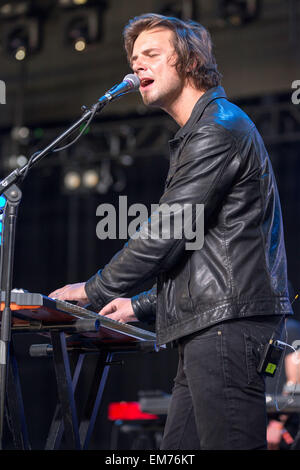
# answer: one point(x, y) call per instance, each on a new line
point(217, 159)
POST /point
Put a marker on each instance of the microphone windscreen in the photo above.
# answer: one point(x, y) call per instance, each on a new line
point(133, 80)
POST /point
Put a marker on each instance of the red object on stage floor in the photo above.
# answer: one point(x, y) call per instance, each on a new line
point(128, 411)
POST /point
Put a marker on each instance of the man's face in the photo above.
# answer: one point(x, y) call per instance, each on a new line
point(153, 61)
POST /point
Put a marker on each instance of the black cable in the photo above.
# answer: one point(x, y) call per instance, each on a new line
point(94, 110)
point(29, 164)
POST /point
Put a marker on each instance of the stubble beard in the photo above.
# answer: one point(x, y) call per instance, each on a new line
point(162, 100)
point(151, 101)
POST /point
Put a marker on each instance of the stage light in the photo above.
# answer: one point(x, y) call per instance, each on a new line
point(71, 4)
point(126, 160)
point(22, 38)
point(72, 180)
point(20, 134)
point(83, 29)
point(90, 178)
point(239, 12)
point(83, 22)
point(14, 161)
point(80, 44)
point(14, 9)
point(79, 2)
point(20, 53)
point(65, 3)
point(21, 160)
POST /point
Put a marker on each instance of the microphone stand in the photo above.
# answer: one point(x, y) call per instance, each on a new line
point(13, 198)
point(13, 195)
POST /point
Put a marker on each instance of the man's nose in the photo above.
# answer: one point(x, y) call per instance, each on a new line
point(139, 65)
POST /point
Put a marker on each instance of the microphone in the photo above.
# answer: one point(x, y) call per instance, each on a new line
point(129, 84)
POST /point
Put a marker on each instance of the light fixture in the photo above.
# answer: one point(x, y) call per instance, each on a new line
point(72, 180)
point(81, 180)
point(14, 161)
point(90, 178)
point(239, 12)
point(83, 22)
point(83, 28)
point(22, 38)
point(71, 4)
point(20, 53)
point(80, 2)
point(126, 160)
point(20, 134)
point(14, 9)
point(80, 44)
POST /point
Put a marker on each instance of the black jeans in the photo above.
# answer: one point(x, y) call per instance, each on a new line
point(218, 400)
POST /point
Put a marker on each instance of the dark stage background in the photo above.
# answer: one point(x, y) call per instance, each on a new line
point(257, 48)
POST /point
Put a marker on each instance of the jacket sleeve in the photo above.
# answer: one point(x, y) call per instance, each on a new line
point(144, 305)
point(208, 164)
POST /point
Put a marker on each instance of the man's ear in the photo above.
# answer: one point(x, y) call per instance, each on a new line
point(192, 64)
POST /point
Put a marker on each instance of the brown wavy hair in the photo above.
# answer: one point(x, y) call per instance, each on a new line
point(192, 44)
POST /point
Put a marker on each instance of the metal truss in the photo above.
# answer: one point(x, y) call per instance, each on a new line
point(148, 135)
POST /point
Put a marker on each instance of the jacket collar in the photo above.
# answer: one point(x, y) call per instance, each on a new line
point(209, 96)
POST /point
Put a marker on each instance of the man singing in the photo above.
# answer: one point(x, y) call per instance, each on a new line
point(220, 303)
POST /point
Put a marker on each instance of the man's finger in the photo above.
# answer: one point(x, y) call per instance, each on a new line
point(58, 291)
point(116, 317)
point(63, 295)
point(109, 308)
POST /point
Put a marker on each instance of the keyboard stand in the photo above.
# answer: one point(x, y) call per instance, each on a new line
point(65, 417)
point(57, 425)
point(65, 390)
point(94, 399)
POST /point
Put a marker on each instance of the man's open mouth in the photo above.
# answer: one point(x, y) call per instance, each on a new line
point(145, 82)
